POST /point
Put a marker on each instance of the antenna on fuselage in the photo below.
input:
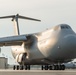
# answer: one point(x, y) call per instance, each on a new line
point(15, 20)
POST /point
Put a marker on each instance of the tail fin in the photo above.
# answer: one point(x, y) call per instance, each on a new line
point(15, 20)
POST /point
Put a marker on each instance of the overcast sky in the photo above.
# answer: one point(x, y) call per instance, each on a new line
point(50, 12)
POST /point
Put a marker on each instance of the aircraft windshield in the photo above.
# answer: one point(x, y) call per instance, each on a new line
point(65, 27)
point(61, 26)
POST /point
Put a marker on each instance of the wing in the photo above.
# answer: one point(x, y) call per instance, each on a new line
point(13, 40)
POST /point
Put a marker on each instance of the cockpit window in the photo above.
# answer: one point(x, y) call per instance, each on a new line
point(65, 27)
point(61, 26)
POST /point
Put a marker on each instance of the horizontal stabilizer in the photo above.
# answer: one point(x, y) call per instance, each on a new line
point(18, 16)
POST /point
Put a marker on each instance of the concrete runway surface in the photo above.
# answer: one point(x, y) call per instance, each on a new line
point(37, 72)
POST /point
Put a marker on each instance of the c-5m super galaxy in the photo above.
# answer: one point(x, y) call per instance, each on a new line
point(50, 48)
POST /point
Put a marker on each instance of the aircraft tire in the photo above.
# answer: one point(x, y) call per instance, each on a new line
point(58, 67)
point(63, 67)
point(55, 67)
point(14, 67)
point(17, 67)
point(21, 67)
point(27, 67)
point(44, 67)
point(50, 67)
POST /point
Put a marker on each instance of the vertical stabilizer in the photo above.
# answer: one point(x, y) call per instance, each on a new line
point(15, 20)
point(16, 25)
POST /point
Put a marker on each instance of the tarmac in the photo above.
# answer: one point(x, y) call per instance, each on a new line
point(38, 72)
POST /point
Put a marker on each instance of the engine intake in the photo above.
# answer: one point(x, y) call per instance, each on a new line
point(21, 57)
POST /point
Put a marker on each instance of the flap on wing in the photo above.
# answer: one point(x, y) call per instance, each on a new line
point(13, 40)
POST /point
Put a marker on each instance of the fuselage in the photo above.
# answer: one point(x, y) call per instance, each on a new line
point(57, 44)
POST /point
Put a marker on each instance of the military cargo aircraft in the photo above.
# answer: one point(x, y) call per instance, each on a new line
point(50, 48)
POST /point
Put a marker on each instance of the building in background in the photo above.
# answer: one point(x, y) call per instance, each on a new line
point(3, 63)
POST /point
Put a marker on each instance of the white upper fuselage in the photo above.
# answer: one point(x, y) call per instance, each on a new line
point(57, 44)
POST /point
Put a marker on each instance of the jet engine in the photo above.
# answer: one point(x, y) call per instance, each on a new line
point(20, 58)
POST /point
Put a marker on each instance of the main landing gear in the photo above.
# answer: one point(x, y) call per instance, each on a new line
point(21, 67)
point(53, 67)
point(43, 67)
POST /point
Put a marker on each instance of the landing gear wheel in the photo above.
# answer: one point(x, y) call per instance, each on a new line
point(17, 67)
point(14, 67)
point(50, 67)
point(56, 67)
point(21, 67)
point(63, 67)
point(59, 67)
point(27, 67)
point(53, 67)
point(44, 67)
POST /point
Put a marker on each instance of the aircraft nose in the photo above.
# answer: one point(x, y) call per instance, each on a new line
point(71, 41)
point(70, 38)
point(69, 46)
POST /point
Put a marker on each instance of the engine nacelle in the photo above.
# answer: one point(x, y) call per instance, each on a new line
point(21, 57)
